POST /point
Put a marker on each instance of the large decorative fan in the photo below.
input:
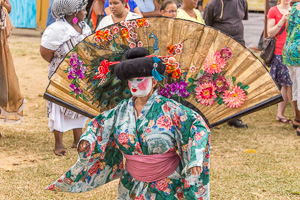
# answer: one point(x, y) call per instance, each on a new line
point(206, 70)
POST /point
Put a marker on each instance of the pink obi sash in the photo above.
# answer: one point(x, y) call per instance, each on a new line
point(150, 168)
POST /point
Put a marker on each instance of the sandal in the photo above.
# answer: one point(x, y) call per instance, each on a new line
point(284, 120)
point(60, 152)
point(294, 125)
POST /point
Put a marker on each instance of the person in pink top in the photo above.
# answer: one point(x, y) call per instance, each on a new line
point(277, 17)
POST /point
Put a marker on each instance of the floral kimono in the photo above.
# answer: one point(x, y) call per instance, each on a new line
point(163, 126)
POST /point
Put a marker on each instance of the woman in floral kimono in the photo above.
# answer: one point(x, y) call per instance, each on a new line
point(166, 145)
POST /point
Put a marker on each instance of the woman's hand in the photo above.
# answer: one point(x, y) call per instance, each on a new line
point(284, 17)
point(84, 145)
point(196, 171)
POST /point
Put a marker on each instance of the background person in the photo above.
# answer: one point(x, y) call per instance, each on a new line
point(58, 39)
point(118, 13)
point(200, 6)
point(11, 100)
point(291, 58)
point(261, 39)
point(277, 17)
point(169, 9)
point(97, 12)
point(130, 5)
point(227, 16)
point(50, 18)
point(188, 11)
point(149, 8)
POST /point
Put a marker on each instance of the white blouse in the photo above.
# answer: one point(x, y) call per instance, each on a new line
point(106, 21)
point(61, 31)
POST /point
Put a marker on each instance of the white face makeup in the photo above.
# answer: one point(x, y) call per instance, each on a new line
point(141, 86)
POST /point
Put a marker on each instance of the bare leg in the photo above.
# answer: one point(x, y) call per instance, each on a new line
point(297, 118)
point(59, 147)
point(77, 133)
point(282, 105)
point(297, 112)
point(289, 96)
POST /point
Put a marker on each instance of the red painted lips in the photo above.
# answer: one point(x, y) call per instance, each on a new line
point(134, 90)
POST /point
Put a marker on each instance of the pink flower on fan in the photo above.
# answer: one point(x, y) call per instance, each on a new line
point(229, 82)
point(178, 51)
point(134, 24)
point(234, 98)
point(132, 45)
point(140, 44)
point(221, 84)
point(214, 63)
point(226, 53)
point(116, 29)
point(193, 69)
point(131, 30)
point(205, 93)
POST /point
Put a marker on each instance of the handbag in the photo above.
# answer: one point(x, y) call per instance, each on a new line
point(268, 48)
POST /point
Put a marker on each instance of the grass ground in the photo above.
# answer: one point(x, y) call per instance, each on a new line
point(28, 165)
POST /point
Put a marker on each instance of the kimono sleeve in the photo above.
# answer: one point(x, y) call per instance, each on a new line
point(194, 134)
point(100, 164)
point(193, 142)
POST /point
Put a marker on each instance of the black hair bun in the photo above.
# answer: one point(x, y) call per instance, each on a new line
point(136, 53)
point(137, 65)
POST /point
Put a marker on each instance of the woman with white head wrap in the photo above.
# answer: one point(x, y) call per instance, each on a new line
point(58, 39)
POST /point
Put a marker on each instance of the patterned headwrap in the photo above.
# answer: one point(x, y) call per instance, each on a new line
point(61, 8)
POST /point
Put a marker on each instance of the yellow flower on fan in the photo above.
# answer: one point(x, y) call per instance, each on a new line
point(214, 63)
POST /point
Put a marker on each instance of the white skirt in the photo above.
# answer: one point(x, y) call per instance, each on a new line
point(62, 123)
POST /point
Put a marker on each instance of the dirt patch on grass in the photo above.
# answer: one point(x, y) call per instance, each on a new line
point(15, 161)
